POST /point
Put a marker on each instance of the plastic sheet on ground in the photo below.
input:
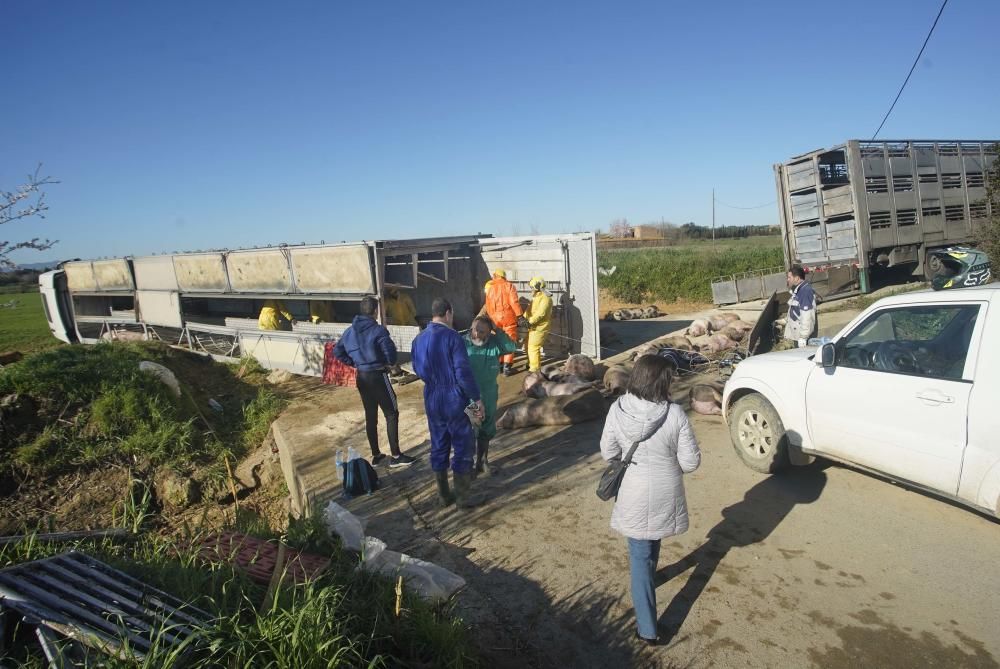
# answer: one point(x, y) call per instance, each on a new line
point(163, 374)
point(427, 579)
point(345, 525)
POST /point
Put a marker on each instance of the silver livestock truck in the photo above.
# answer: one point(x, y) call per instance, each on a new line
point(858, 208)
point(852, 211)
point(209, 301)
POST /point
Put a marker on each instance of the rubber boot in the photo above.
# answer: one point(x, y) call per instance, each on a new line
point(463, 492)
point(444, 492)
point(483, 458)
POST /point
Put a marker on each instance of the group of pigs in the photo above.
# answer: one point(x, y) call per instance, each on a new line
point(578, 390)
point(632, 313)
point(717, 333)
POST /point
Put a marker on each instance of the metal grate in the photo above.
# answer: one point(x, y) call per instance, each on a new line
point(89, 602)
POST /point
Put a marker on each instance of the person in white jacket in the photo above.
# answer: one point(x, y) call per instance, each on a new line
point(650, 503)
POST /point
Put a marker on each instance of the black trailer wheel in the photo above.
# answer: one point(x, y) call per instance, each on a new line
point(932, 264)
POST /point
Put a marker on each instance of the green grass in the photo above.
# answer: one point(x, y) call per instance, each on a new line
point(24, 328)
point(91, 405)
point(345, 618)
point(684, 272)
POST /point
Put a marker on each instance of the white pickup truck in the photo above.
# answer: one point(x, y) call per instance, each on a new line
point(910, 390)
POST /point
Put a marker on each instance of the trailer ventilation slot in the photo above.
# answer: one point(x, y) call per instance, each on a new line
point(902, 184)
point(954, 213)
point(951, 180)
point(876, 185)
point(906, 217)
point(880, 219)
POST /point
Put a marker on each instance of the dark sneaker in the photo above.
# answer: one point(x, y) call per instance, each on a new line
point(402, 461)
point(377, 459)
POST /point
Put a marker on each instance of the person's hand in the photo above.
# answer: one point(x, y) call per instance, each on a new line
point(480, 409)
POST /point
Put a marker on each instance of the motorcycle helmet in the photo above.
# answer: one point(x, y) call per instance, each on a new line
point(960, 267)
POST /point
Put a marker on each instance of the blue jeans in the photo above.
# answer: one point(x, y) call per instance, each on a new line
point(642, 558)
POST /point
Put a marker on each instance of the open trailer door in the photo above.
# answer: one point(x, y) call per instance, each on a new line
point(568, 263)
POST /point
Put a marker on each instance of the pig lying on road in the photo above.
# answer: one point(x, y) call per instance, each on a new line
point(706, 398)
point(564, 410)
point(536, 385)
point(616, 378)
point(699, 327)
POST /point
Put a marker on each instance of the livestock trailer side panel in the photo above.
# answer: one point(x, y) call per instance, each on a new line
point(865, 206)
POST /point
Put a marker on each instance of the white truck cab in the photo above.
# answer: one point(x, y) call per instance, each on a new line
point(910, 389)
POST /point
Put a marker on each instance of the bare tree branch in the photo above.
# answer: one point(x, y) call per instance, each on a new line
point(25, 201)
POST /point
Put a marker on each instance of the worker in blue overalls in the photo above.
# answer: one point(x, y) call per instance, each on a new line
point(440, 359)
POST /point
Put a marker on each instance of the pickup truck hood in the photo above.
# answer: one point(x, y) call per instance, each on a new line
point(792, 355)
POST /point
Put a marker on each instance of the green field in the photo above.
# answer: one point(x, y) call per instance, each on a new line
point(23, 327)
point(683, 272)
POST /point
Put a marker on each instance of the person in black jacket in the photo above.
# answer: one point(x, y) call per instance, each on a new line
point(367, 347)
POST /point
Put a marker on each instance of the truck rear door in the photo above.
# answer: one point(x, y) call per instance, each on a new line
point(568, 263)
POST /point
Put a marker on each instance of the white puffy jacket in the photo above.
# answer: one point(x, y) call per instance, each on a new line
point(651, 502)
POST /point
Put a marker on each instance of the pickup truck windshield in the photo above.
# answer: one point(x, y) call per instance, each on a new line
point(923, 341)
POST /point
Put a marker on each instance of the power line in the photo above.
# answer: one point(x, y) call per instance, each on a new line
point(733, 206)
point(912, 67)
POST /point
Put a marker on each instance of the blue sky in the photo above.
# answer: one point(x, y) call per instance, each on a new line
point(184, 125)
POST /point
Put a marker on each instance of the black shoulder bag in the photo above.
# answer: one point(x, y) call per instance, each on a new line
point(611, 479)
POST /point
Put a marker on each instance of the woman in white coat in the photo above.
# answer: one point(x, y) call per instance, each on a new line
point(650, 504)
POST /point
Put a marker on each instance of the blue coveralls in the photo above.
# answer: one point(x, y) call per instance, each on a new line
point(440, 359)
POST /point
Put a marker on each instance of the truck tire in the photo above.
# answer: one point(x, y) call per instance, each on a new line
point(758, 434)
point(931, 265)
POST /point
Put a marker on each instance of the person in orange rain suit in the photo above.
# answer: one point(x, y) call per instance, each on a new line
point(503, 309)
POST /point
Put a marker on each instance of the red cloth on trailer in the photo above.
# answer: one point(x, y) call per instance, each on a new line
point(334, 371)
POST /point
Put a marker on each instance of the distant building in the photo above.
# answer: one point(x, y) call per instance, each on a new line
point(648, 232)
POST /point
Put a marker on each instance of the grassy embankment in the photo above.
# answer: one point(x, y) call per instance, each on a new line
point(84, 410)
point(683, 272)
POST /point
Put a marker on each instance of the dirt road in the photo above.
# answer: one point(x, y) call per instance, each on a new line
point(822, 567)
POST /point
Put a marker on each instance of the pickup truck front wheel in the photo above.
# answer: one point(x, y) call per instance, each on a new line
point(758, 434)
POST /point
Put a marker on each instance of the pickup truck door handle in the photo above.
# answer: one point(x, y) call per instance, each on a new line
point(935, 397)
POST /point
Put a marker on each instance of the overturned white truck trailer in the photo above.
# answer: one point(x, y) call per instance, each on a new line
point(210, 301)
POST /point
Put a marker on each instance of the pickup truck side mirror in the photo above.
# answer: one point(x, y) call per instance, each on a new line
point(828, 354)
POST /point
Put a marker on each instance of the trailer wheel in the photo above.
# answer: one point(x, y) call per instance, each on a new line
point(758, 434)
point(932, 264)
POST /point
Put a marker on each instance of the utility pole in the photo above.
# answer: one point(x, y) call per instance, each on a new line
point(713, 217)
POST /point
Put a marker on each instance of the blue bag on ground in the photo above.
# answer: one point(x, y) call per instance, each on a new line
point(360, 478)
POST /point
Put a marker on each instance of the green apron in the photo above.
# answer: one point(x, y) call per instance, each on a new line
point(485, 362)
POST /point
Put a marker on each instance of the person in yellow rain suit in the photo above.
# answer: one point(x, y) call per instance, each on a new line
point(271, 315)
point(399, 308)
point(321, 312)
point(539, 318)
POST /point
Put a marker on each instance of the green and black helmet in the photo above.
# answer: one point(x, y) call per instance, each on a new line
point(960, 267)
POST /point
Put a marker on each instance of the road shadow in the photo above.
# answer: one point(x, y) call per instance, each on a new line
point(747, 522)
point(633, 333)
point(515, 622)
